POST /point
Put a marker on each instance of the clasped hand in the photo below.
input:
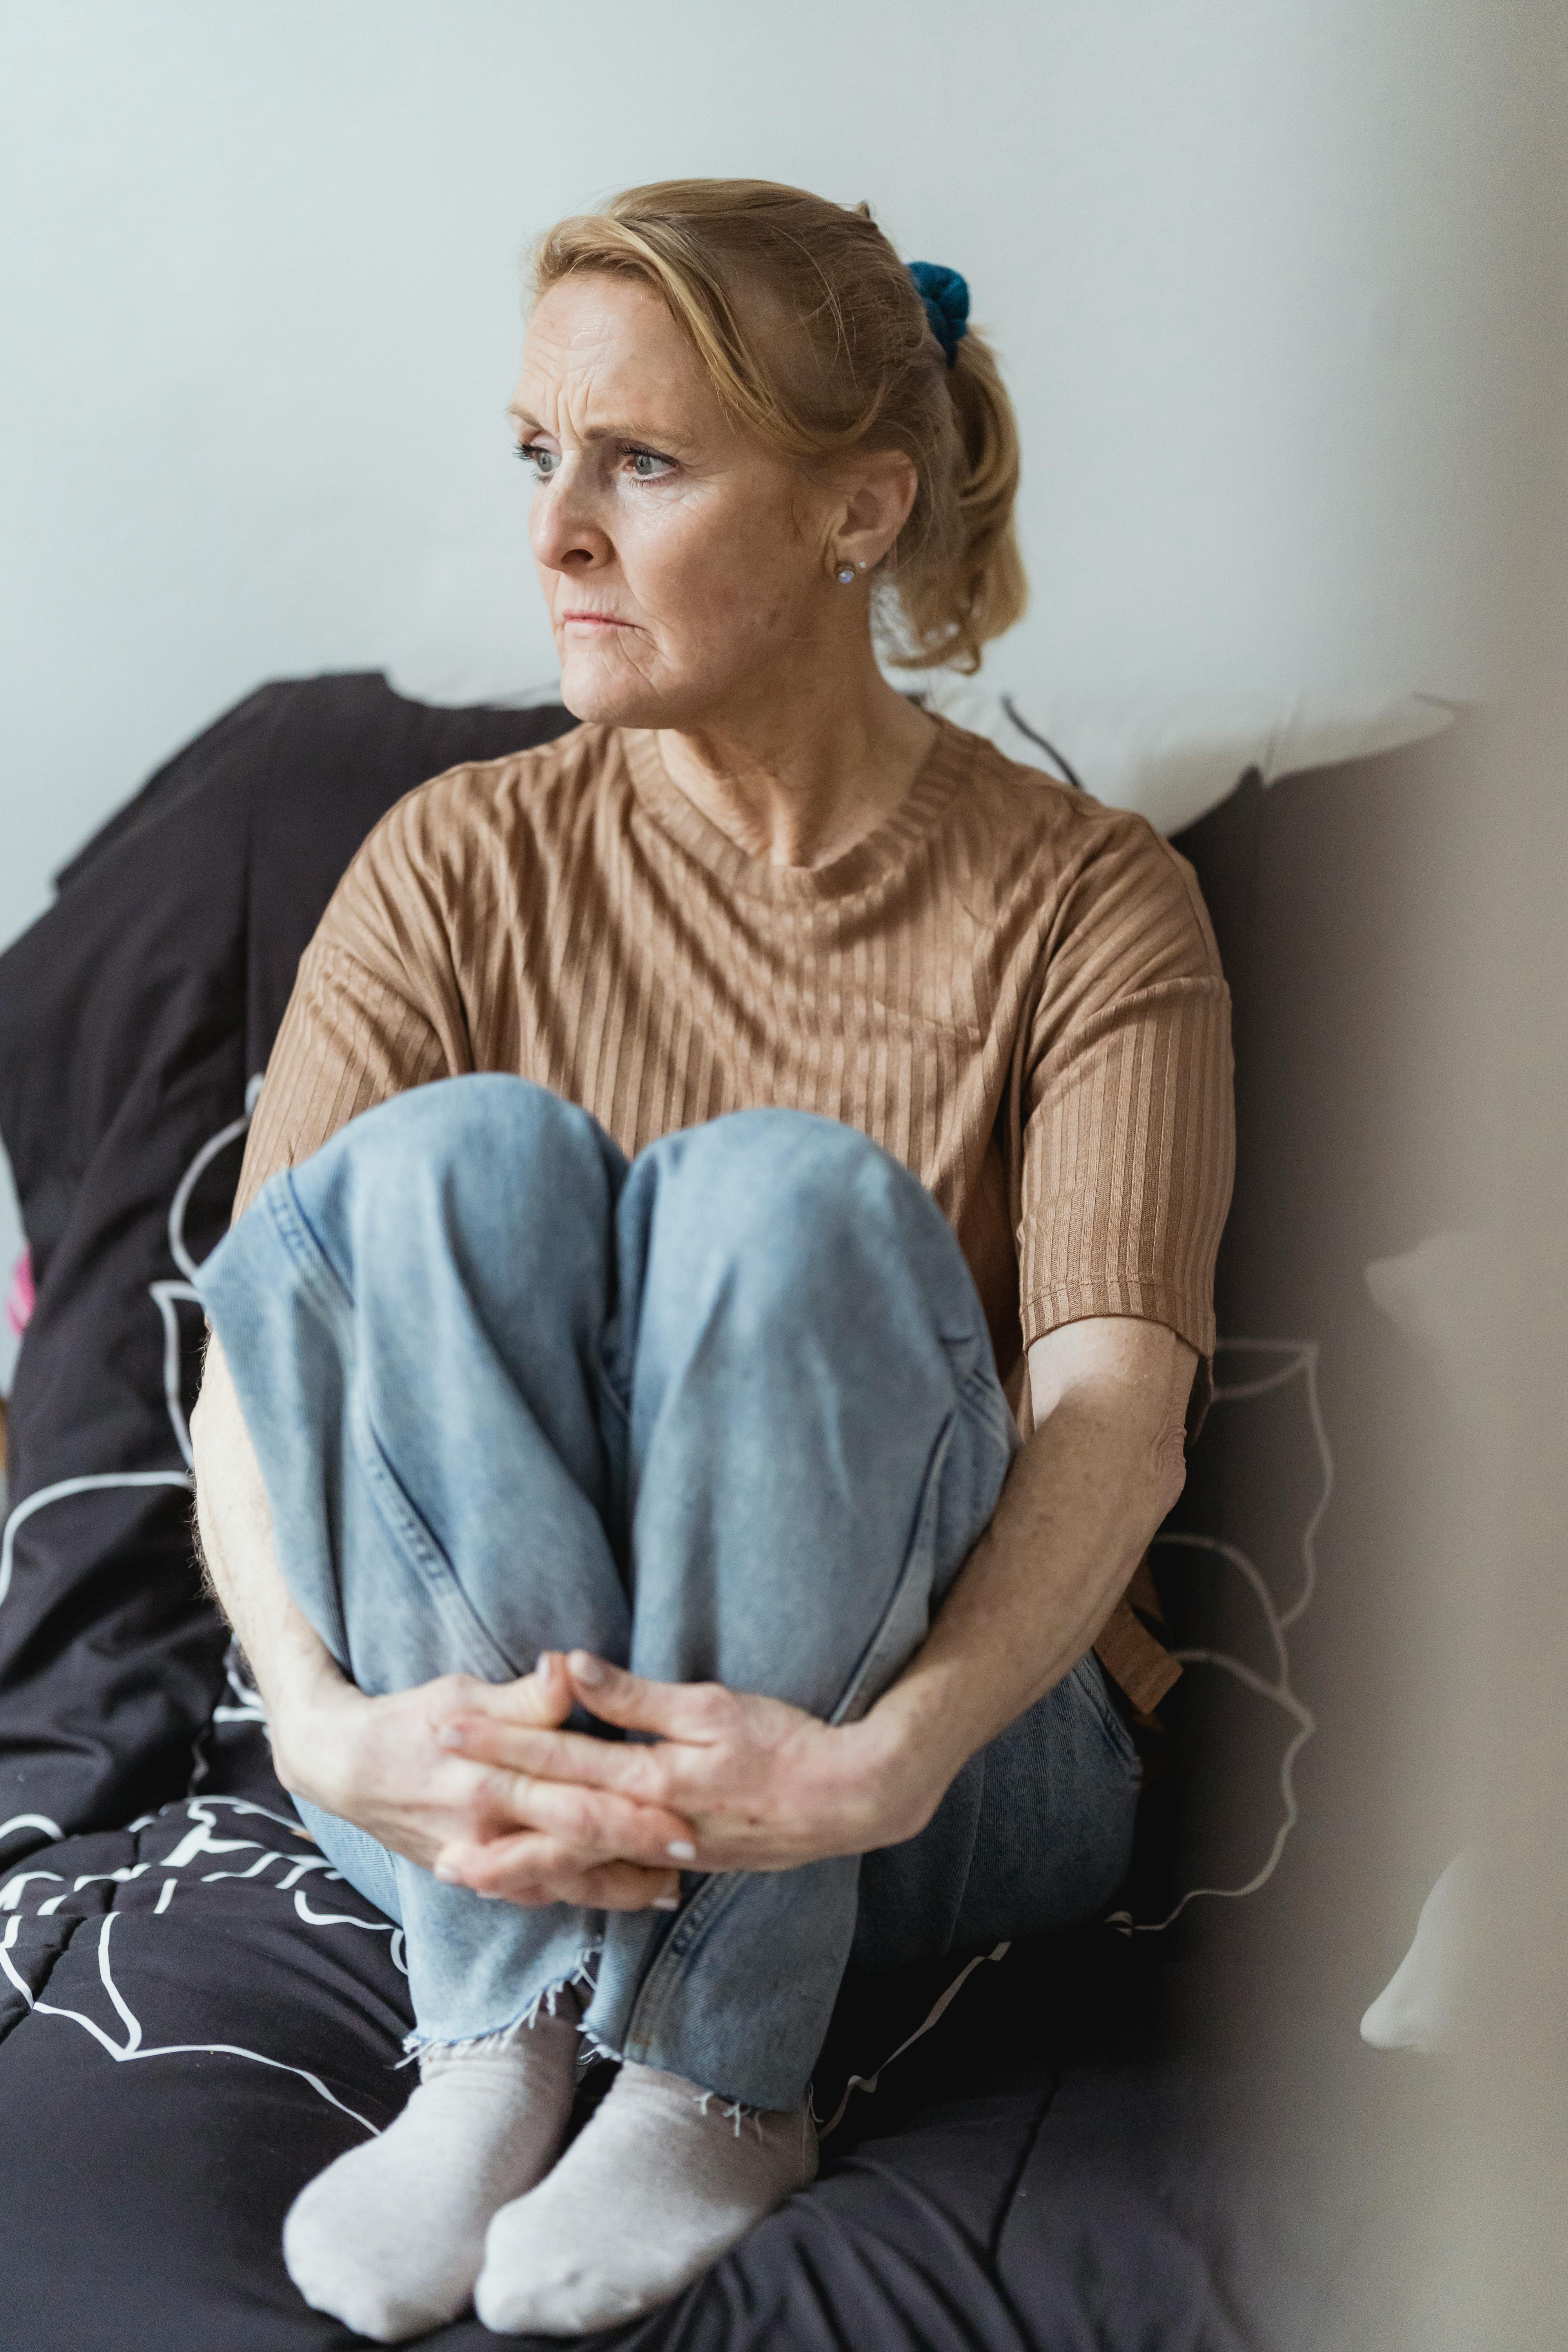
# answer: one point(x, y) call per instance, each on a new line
point(480, 1783)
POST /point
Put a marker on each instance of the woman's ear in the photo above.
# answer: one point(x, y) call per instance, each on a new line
point(878, 493)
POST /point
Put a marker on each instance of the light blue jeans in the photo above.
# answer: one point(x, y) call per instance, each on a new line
point(729, 1412)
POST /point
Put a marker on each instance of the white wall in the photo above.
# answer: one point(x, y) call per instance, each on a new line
point(260, 294)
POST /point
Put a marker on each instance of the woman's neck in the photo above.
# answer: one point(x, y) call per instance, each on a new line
point(801, 784)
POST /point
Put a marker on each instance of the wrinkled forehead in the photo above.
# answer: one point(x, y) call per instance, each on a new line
point(603, 355)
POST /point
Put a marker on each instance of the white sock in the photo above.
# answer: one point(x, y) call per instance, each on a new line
point(661, 2179)
point(391, 2237)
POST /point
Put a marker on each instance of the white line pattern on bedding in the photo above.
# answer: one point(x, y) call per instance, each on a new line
point(166, 1297)
point(200, 1841)
point(31, 1822)
point(131, 2047)
point(1300, 1363)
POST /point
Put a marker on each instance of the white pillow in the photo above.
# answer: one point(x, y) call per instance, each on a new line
point(473, 685)
point(1169, 759)
point(1173, 760)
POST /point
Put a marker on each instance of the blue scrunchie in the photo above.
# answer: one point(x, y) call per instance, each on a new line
point(946, 297)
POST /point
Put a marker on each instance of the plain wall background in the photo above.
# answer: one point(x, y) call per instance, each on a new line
point(260, 295)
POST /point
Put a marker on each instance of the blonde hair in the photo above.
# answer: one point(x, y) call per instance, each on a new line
point(858, 366)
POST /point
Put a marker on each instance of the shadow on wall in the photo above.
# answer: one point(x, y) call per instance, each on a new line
point(1305, 1571)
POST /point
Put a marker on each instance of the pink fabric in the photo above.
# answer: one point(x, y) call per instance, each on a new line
point(19, 1299)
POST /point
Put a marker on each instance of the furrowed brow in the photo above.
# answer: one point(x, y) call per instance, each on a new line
point(638, 434)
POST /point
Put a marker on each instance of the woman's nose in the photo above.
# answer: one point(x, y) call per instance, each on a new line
point(563, 528)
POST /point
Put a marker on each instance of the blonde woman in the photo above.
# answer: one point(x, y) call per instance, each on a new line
point(693, 1152)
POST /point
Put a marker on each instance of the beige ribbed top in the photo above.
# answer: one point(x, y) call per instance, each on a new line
point(1012, 988)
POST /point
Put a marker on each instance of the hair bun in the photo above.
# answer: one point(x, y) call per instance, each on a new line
point(945, 294)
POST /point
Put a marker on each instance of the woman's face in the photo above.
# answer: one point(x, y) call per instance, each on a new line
point(682, 560)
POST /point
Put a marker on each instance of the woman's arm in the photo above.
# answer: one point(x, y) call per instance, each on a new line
point(767, 1786)
point(476, 1779)
point(379, 1762)
point(1105, 1465)
point(294, 1670)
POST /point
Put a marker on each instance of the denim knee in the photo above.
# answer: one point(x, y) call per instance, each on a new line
point(467, 1153)
point(473, 1131)
point(803, 1205)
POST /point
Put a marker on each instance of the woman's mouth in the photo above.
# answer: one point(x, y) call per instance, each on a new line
point(593, 621)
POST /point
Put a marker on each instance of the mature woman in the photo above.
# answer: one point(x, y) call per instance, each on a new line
point(681, 1142)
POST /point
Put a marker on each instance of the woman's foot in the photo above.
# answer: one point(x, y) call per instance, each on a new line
point(391, 2237)
point(660, 2181)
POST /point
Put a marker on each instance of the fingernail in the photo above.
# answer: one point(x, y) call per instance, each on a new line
point(451, 1735)
point(680, 1851)
point(542, 1664)
point(586, 1668)
point(667, 1902)
point(447, 1877)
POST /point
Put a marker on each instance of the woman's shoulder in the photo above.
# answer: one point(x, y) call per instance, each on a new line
point(1020, 801)
point(483, 802)
point(1073, 847)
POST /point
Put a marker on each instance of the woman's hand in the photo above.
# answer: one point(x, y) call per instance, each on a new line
point(761, 1785)
point(382, 1764)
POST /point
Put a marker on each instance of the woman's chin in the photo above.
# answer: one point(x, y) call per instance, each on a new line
point(600, 685)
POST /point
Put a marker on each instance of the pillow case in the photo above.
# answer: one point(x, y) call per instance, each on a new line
point(1174, 757)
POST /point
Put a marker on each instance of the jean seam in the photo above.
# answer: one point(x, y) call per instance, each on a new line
point(1088, 1674)
point(863, 1666)
point(980, 1388)
point(420, 1549)
point(610, 1392)
point(692, 1930)
point(304, 1249)
point(701, 1916)
point(287, 1227)
point(333, 1300)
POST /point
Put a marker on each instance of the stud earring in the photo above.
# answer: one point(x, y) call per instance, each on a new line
point(845, 575)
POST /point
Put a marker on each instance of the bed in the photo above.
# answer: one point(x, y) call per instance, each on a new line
point(1161, 2133)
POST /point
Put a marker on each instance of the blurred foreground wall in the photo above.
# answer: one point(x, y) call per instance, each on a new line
point(1478, 1449)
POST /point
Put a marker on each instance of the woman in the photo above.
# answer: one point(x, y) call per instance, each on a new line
point(677, 1137)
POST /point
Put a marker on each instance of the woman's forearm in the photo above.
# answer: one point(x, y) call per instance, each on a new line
point(768, 1786)
point(1089, 1490)
point(294, 1670)
point(1085, 1496)
point(379, 1762)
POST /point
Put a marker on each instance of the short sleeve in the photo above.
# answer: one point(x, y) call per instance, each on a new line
point(1128, 1123)
point(376, 1006)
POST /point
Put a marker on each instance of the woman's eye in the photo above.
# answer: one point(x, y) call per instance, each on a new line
point(644, 465)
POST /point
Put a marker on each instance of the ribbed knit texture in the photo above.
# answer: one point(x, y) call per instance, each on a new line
point(1012, 988)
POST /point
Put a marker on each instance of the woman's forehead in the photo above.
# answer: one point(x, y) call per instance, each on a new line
point(601, 350)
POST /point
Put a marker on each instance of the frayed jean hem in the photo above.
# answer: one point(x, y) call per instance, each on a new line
point(544, 2003)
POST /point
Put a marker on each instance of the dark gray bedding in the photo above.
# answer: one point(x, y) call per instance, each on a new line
point(1134, 2140)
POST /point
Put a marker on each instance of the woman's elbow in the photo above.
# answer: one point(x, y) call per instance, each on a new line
point(1168, 1465)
